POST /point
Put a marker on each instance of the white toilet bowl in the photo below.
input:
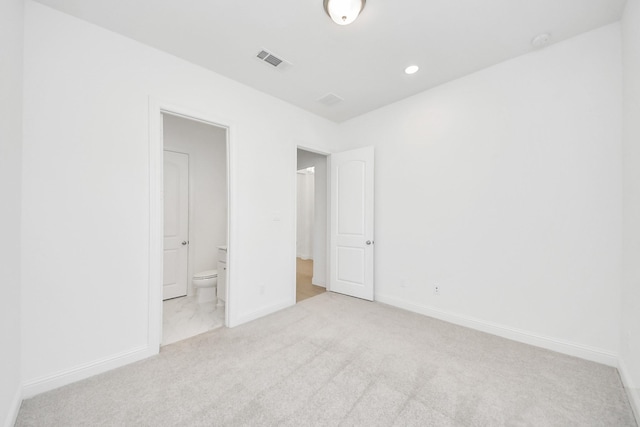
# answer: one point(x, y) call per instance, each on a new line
point(205, 285)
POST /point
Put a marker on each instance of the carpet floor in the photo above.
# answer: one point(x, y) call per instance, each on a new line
point(333, 360)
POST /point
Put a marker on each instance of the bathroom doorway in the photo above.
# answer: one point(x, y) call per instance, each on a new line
point(311, 224)
point(195, 207)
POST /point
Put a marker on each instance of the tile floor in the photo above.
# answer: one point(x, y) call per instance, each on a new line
point(184, 318)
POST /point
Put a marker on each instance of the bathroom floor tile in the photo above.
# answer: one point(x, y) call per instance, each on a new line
point(184, 318)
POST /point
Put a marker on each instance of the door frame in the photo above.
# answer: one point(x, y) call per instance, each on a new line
point(157, 107)
point(327, 154)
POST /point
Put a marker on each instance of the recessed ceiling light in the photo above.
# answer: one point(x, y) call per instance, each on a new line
point(411, 69)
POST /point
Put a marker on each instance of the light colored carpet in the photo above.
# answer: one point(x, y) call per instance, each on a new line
point(334, 360)
point(304, 274)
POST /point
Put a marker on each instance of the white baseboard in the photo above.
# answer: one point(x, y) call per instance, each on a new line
point(320, 283)
point(12, 415)
point(50, 382)
point(253, 315)
point(633, 391)
point(560, 346)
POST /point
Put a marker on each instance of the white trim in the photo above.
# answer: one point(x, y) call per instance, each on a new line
point(327, 273)
point(294, 248)
point(633, 392)
point(554, 344)
point(14, 408)
point(86, 370)
point(253, 315)
point(156, 146)
point(315, 150)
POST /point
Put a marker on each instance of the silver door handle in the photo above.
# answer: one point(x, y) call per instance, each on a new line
point(368, 242)
point(184, 242)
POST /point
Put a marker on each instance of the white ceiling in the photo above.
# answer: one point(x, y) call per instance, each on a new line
point(362, 62)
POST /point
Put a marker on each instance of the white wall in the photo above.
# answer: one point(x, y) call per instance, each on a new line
point(304, 222)
point(630, 331)
point(86, 192)
point(503, 188)
point(320, 225)
point(206, 146)
point(11, 46)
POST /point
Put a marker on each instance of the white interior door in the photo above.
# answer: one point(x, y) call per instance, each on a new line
point(352, 223)
point(176, 225)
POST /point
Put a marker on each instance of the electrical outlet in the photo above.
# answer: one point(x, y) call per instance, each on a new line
point(436, 290)
point(262, 290)
point(403, 283)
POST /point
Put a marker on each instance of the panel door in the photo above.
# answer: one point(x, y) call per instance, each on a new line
point(176, 225)
point(352, 223)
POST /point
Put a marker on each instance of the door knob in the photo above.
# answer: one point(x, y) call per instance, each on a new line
point(368, 242)
point(184, 242)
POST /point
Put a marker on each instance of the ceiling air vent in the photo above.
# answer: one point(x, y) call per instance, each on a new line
point(271, 59)
point(330, 99)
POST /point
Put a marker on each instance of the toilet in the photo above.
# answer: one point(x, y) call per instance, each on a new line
point(205, 286)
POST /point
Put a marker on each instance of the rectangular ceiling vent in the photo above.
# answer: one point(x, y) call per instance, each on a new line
point(272, 60)
point(330, 99)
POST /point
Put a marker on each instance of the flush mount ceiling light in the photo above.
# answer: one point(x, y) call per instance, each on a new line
point(343, 12)
point(411, 69)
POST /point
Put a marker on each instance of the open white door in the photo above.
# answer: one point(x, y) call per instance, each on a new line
point(176, 225)
point(352, 223)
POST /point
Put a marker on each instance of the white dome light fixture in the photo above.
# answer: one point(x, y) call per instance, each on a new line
point(344, 12)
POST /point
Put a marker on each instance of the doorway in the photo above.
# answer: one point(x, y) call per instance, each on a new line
point(311, 224)
point(346, 209)
point(195, 225)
